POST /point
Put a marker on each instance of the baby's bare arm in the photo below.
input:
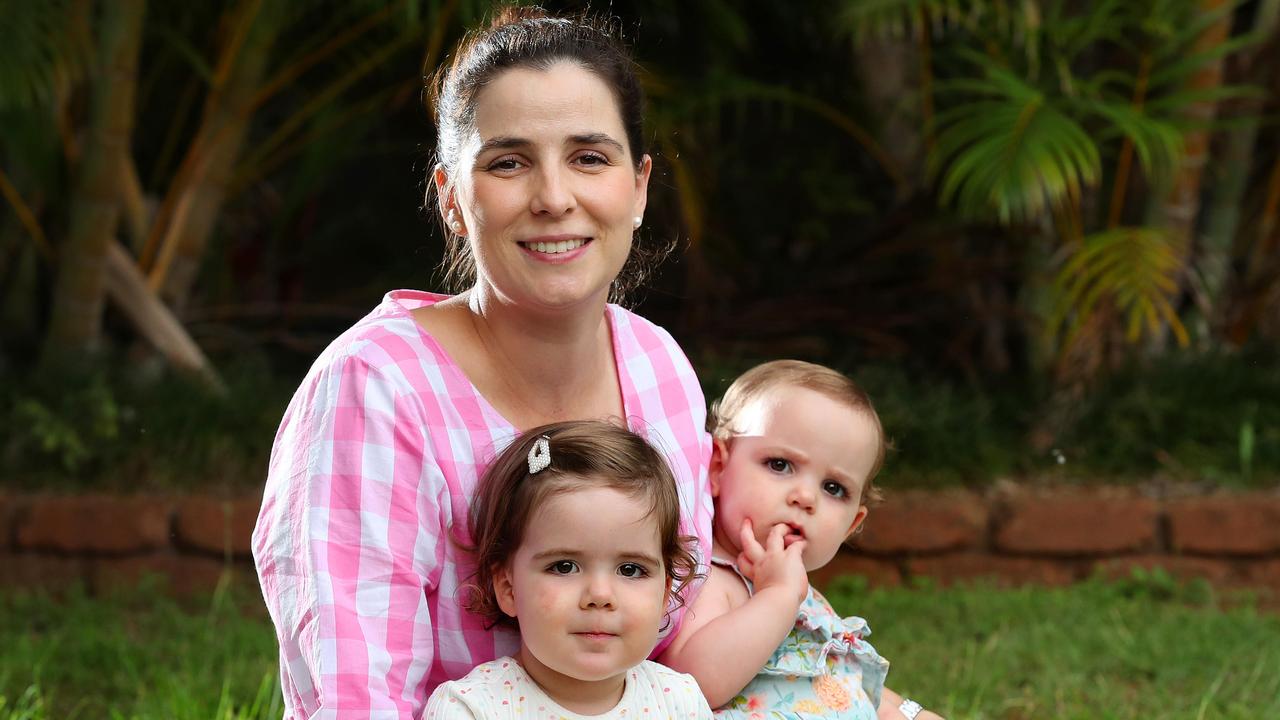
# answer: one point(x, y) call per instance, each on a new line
point(730, 634)
point(727, 636)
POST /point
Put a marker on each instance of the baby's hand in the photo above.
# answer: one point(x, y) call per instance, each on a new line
point(773, 564)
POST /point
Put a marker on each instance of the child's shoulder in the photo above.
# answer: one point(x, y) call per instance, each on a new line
point(726, 585)
point(723, 591)
point(660, 674)
point(661, 686)
point(477, 693)
point(492, 673)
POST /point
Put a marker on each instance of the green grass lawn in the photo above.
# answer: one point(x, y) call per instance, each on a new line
point(136, 656)
point(1142, 648)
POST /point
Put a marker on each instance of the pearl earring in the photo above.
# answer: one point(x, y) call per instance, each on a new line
point(454, 224)
point(636, 221)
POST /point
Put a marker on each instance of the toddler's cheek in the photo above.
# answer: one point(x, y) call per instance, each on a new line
point(546, 603)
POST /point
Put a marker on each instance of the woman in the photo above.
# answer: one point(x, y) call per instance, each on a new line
point(542, 182)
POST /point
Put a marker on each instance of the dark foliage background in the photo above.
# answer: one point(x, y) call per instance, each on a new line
point(1021, 297)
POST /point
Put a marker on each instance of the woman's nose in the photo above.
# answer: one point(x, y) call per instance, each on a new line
point(552, 194)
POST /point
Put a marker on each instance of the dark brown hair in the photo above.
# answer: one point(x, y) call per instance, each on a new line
point(583, 453)
point(530, 37)
point(759, 380)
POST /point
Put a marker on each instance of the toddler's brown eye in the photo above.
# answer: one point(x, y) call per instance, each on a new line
point(563, 567)
point(631, 570)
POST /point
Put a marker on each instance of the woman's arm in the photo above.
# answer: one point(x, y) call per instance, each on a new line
point(345, 544)
point(725, 641)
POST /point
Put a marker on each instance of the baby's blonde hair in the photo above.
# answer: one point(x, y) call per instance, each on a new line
point(759, 380)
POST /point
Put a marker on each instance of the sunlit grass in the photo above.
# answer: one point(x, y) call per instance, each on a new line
point(1142, 648)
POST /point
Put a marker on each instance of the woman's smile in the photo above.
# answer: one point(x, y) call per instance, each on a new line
point(555, 248)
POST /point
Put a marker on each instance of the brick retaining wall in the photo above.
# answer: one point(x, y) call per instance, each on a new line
point(1010, 534)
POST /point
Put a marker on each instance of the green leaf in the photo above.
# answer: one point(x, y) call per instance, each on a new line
point(864, 19)
point(1157, 142)
point(41, 51)
point(1006, 152)
point(1133, 268)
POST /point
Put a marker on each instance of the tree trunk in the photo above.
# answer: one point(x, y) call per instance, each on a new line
point(19, 289)
point(1182, 206)
point(153, 320)
point(890, 72)
point(1222, 221)
point(211, 160)
point(75, 326)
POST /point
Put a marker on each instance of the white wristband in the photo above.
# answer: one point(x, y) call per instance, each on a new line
point(910, 708)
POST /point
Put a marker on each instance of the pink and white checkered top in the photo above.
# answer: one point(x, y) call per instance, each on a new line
point(376, 459)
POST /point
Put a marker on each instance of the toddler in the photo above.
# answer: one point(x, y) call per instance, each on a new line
point(796, 447)
point(574, 531)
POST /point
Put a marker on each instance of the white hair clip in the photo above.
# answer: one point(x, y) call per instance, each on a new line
point(539, 455)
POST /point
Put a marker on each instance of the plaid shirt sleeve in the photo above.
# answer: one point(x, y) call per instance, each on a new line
point(348, 544)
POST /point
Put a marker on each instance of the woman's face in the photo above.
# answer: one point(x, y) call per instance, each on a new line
point(546, 188)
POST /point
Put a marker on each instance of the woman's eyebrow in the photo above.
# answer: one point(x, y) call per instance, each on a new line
point(502, 142)
point(596, 139)
point(507, 142)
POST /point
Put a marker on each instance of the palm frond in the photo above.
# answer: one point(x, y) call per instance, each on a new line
point(1174, 105)
point(1133, 269)
point(1158, 142)
point(728, 21)
point(41, 50)
point(184, 48)
point(1181, 62)
point(1071, 33)
point(865, 19)
point(1181, 23)
point(1009, 153)
point(703, 103)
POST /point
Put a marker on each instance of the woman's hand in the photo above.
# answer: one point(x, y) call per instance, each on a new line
point(773, 565)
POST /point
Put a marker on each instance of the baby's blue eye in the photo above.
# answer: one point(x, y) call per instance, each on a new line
point(835, 489)
point(778, 465)
point(563, 567)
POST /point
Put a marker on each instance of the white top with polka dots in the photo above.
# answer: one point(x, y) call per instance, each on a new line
point(502, 690)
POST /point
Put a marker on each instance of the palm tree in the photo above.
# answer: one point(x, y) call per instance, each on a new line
point(79, 290)
point(1048, 100)
point(1230, 187)
point(230, 149)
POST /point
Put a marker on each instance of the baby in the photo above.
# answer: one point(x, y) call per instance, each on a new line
point(796, 449)
point(574, 531)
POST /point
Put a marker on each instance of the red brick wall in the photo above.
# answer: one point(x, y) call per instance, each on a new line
point(1010, 534)
point(103, 541)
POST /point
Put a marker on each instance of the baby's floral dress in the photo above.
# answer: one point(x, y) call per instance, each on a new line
point(824, 668)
